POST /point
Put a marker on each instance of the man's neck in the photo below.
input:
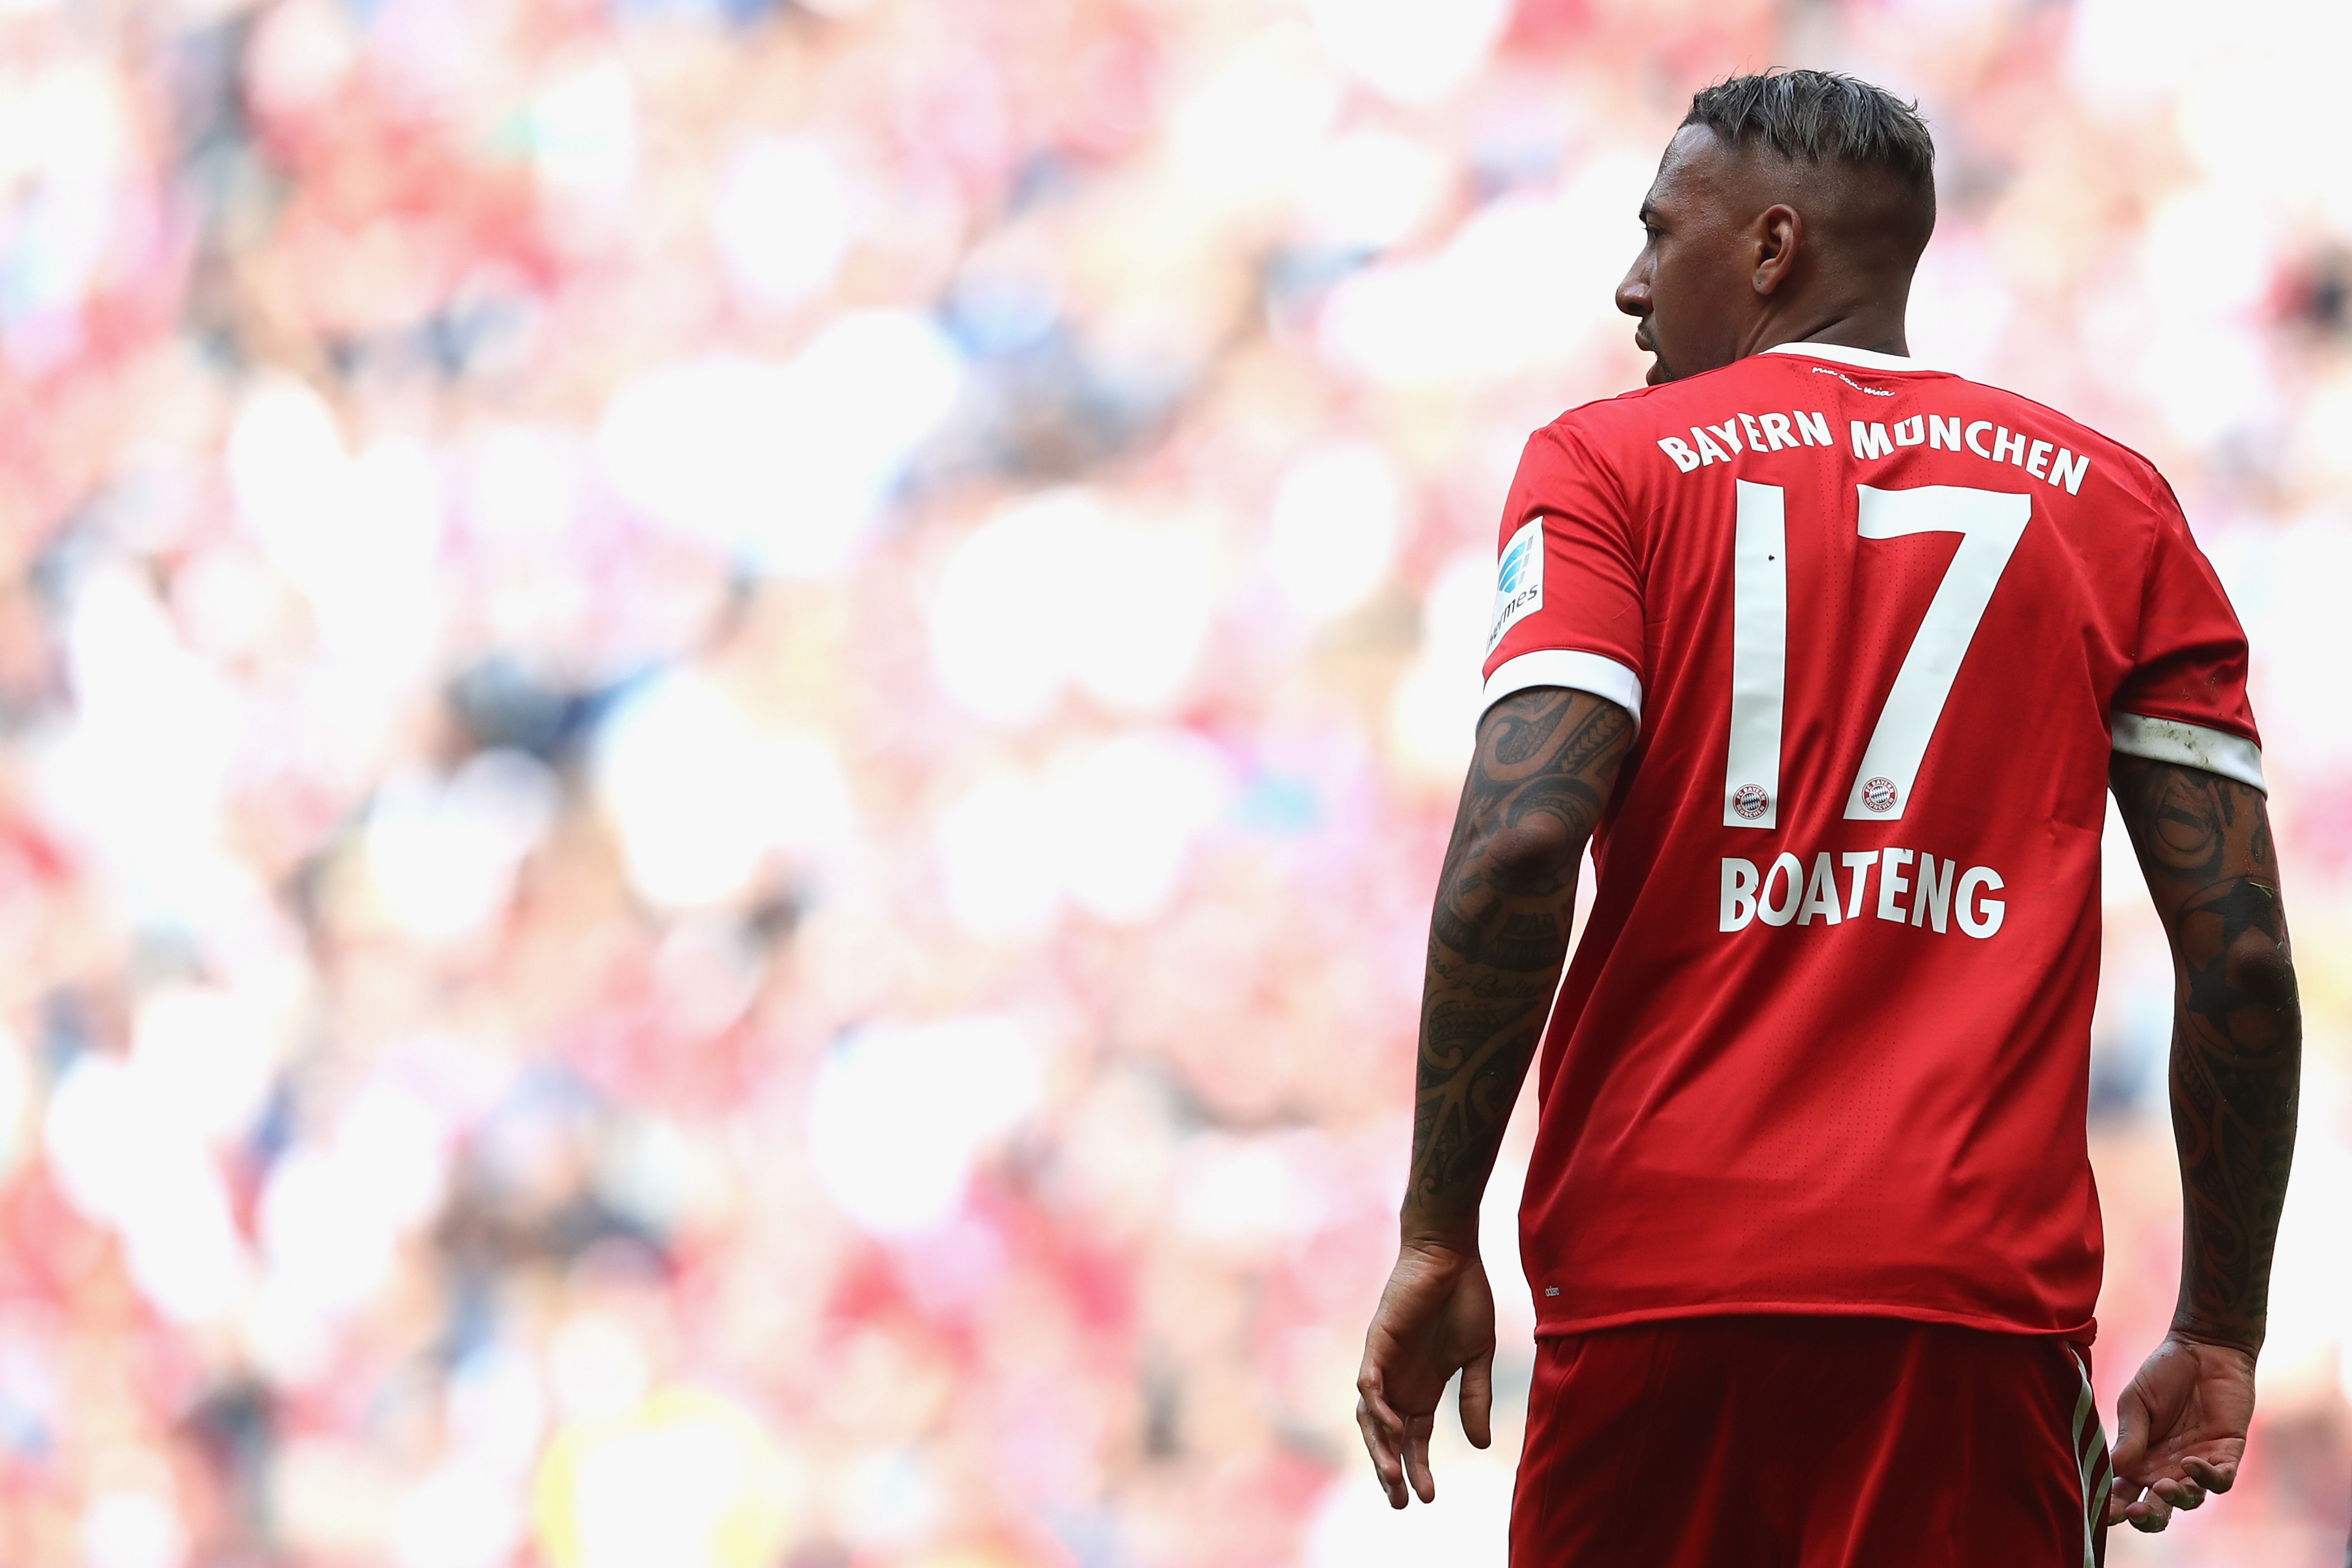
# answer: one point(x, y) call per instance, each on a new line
point(1876, 329)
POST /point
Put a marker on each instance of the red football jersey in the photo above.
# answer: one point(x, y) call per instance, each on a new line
point(1824, 1046)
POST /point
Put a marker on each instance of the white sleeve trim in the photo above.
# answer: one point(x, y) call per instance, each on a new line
point(1571, 667)
point(2189, 745)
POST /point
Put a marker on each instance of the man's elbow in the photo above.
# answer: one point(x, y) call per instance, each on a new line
point(1534, 857)
point(2261, 976)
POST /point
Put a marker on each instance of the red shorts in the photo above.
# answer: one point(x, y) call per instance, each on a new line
point(1810, 1443)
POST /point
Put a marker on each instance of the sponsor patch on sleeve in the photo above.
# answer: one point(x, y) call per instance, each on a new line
point(1519, 585)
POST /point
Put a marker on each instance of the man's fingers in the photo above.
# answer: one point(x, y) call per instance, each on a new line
point(2131, 1433)
point(2151, 1514)
point(2213, 1475)
point(1388, 1466)
point(1478, 1400)
point(2181, 1494)
point(2130, 1501)
point(1416, 1463)
point(1384, 1463)
point(1375, 1405)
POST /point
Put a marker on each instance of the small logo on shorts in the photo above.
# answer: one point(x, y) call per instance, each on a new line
point(1750, 800)
point(1878, 794)
point(1551, 1289)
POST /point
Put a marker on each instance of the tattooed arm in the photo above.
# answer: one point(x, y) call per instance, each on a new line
point(2205, 845)
point(1545, 761)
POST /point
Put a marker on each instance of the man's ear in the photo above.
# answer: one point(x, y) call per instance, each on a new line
point(1779, 235)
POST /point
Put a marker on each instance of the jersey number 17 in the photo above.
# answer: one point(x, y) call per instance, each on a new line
point(1989, 523)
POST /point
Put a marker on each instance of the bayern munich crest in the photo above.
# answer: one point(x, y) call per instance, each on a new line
point(1878, 795)
point(1750, 800)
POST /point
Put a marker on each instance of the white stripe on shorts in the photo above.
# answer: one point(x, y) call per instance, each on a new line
point(2091, 1460)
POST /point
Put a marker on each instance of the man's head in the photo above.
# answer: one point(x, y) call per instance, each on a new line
point(1787, 205)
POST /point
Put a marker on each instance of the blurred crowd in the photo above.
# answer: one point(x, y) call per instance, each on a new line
point(729, 722)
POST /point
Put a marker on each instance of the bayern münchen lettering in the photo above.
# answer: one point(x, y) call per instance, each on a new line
point(1873, 440)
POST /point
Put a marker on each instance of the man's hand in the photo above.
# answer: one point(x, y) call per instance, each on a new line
point(2180, 1430)
point(1435, 1318)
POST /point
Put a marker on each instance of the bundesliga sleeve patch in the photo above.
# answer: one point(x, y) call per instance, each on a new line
point(1518, 587)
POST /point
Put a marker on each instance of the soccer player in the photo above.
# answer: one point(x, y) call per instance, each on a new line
point(1833, 655)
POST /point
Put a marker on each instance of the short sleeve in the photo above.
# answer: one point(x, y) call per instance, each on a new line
point(2185, 699)
point(1567, 593)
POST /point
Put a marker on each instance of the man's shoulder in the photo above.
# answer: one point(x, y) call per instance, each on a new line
point(1630, 412)
point(2083, 437)
point(1926, 381)
point(1763, 402)
point(1615, 432)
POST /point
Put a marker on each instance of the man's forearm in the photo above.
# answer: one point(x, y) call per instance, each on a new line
point(2237, 1060)
point(2237, 1043)
point(2233, 1114)
point(1481, 1015)
point(1547, 759)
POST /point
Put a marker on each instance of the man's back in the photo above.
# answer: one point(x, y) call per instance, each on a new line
point(1826, 1048)
point(1828, 656)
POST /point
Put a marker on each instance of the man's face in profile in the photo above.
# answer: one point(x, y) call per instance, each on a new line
point(1694, 278)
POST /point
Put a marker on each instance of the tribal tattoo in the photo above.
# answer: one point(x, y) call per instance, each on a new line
point(2204, 842)
point(1547, 761)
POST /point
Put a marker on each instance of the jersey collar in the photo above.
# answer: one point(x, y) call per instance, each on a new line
point(1861, 359)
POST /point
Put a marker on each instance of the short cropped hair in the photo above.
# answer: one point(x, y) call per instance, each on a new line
point(1817, 117)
